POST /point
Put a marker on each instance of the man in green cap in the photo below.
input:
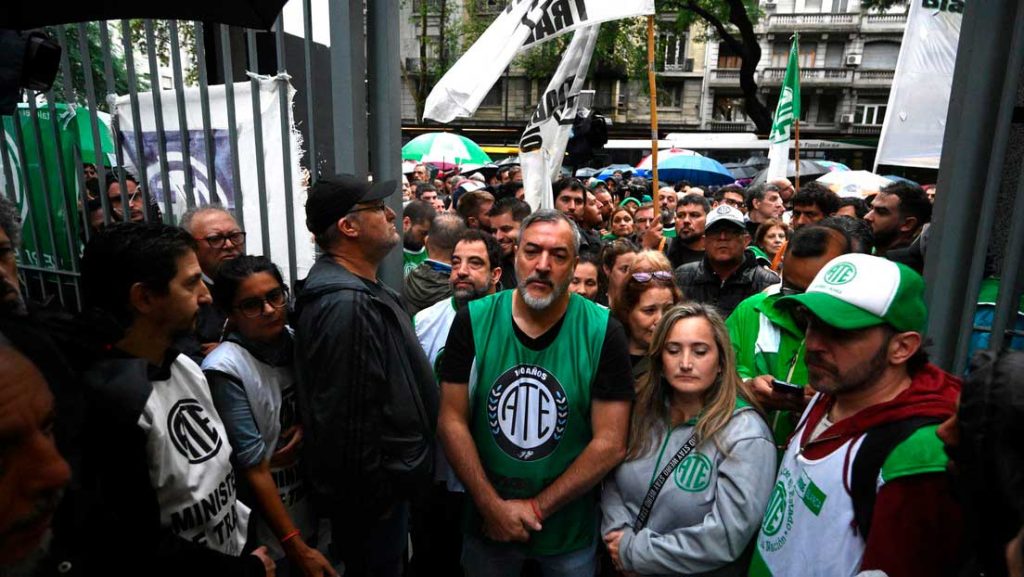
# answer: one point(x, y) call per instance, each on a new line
point(862, 486)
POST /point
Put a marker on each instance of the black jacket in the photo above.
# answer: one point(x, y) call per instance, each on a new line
point(699, 283)
point(367, 395)
point(679, 254)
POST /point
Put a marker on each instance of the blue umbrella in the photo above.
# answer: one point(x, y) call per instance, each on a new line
point(697, 170)
point(608, 171)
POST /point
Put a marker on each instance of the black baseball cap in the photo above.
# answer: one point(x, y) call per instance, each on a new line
point(332, 198)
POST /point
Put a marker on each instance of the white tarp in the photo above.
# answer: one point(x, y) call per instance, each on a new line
point(915, 119)
point(522, 25)
point(228, 191)
point(542, 146)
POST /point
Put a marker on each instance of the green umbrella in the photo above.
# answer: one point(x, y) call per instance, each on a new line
point(444, 148)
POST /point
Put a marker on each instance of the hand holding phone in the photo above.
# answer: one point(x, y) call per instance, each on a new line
point(785, 388)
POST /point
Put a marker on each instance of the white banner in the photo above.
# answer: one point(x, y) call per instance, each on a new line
point(915, 120)
point(522, 25)
point(542, 147)
point(228, 192)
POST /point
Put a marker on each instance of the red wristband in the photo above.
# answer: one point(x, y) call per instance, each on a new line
point(289, 536)
point(536, 509)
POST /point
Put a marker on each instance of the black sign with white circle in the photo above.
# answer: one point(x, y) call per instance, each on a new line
point(191, 431)
point(527, 412)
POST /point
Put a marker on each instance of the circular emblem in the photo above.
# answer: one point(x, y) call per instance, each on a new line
point(527, 412)
point(775, 514)
point(841, 273)
point(191, 431)
point(724, 209)
point(693, 474)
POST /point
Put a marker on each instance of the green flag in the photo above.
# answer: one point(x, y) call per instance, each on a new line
point(787, 110)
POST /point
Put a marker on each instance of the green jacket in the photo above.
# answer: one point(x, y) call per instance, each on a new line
point(767, 341)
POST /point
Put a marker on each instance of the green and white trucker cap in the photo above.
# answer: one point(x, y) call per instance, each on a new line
point(856, 291)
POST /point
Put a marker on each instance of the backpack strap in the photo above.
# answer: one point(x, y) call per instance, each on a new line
point(878, 443)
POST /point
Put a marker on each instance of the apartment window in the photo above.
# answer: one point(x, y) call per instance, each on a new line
point(432, 6)
point(827, 104)
point(671, 96)
point(496, 97)
point(834, 52)
point(881, 55)
point(780, 54)
point(812, 5)
point(727, 57)
point(729, 109)
point(674, 50)
point(870, 114)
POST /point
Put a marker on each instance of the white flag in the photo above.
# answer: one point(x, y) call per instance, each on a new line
point(219, 177)
point(915, 119)
point(542, 146)
point(522, 25)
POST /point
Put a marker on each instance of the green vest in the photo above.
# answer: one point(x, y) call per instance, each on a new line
point(530, 412)
point(767, 341)
point(411, 260)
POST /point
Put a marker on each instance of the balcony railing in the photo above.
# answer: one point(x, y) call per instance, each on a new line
point(866, 129)
point(725, 74)
point(881, 76)
point(814, 19)
point(810, 74)
point(729, 125)
point(886, 19)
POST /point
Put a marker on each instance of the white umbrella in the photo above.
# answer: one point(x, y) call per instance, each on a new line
point(856, 183)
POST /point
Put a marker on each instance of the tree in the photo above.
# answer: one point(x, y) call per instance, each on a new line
point(96, 49)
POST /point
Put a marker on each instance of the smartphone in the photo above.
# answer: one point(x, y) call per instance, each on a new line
point(787, 388)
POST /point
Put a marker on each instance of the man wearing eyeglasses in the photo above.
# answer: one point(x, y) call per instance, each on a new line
point(767, 341)
point(731, 195)
point(218, 239)
point(728, 273)
point(367, 394)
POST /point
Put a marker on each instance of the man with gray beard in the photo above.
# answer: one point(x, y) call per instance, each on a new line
point(545, 417)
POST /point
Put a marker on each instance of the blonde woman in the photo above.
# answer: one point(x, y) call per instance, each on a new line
point(698, 437)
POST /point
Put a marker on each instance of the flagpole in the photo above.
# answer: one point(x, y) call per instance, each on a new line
point(796, 125)
point(654, 112)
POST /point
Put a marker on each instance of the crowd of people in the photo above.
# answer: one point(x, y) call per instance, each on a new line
point(645, 380)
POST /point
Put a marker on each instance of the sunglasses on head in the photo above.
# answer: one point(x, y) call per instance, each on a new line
point(646, 277)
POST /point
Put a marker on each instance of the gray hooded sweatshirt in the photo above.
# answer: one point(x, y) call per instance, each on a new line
point(707, 512)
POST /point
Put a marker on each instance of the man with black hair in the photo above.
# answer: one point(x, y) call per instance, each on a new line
point(437, 517)
point(857, 230)
point(118, 201)
point(428, 283)
point(813, 203)
point(852, 207)
point(507, 216)
point(728, 273)
point(731, 195)
point(155, 450)
point(862, 487)
point(569, 197)
point(763, 202)
point(898, 215)
point(416, 219)
point(767, 340)
point(367, 396)
point(688, 245)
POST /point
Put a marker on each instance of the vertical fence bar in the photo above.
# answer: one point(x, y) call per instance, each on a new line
point(5, 153)
point(69, 97)
point(44, 174)
point(19, 141)
point(307, 45)
point(90, 95)
point(179, 97)
point(158, 113)
point(229, 98)
point(108, 69)
point(204, 105)
point(70, 212)
point(348, 98)
point(261, 176)
point(286, 146)
point(133, 94)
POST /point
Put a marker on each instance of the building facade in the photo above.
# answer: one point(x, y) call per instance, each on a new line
point(848, 60)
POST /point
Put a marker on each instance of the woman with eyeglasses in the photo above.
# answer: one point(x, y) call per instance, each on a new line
point(253, 386)
point(648, 291)
point(700, 461)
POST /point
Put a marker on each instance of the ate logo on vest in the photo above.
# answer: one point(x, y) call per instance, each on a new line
point(527, 412)
point(841, 273)
point(693, 474)
point(191, 431)
point(778, 516)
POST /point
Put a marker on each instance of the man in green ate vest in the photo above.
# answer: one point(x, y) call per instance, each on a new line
point(536, 395)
